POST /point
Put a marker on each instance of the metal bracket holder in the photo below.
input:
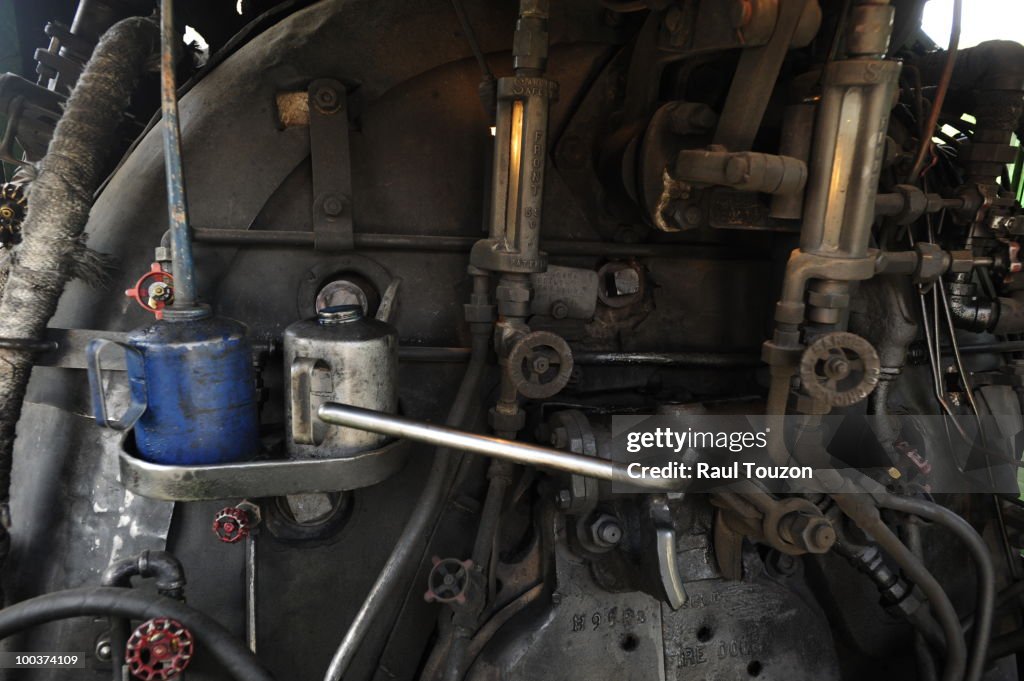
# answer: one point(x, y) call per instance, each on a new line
point(255, 479)
point(331, 164)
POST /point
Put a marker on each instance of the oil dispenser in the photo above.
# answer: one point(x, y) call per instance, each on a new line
point(191, 379)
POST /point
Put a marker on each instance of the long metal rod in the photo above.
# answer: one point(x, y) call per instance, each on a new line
point(250, 591)
point(438, 243)
point(182, 266)
point(696, 359)
point(510, 450)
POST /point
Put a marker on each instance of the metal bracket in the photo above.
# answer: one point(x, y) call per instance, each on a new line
point(267, 478)
point(331, 164)
point(32, 113)
point(755, 78)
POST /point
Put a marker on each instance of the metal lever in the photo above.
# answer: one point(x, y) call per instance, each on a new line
point(518, 452)
point(389, 302)
point(665, 547)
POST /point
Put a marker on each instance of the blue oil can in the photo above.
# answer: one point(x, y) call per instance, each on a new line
point(193, 392)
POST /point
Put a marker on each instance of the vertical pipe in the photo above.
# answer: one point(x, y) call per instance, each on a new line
point(250, 591)
point(183, 267)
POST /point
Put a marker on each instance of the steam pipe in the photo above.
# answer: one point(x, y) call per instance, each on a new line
point(51, 251)
point(410, 544)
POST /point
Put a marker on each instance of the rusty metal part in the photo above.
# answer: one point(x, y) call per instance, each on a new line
point(791, 525)
point(539, 364)
point(746, 171)
point(755, 78)
point(840, 369)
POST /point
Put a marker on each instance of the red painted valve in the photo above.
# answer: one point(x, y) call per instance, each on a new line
point(154, 290)
point(231, 524)
point(159, 649)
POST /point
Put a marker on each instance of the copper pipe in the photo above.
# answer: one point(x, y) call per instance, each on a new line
point(940, 92)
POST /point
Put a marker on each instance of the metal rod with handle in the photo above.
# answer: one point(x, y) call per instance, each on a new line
point(519, 452)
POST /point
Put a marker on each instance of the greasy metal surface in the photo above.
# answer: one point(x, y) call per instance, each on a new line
point(610, 635)
point(354, 361)
point(256, 479)
point(737, 630)
point(419, 149)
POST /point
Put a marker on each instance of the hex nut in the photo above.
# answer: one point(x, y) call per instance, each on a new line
point(605, 531)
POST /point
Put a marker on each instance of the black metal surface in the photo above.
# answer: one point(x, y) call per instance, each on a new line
point(405, 149)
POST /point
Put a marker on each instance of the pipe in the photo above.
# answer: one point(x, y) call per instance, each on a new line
point(925, 660)
point(940, 92)
point(994, 70)
point(518, 452)
point(440, 243)
point(863, 512)
point(132, 604)
point(51, 251)
point(466, 616)
point(409, 545)
point(696, 359)
point(983, 561)
point(163, 566)
point(170, 582)
point(182, 263)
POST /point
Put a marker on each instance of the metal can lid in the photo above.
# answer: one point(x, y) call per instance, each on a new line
point(339, 314)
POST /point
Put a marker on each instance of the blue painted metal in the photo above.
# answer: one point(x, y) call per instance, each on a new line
point(197, 384)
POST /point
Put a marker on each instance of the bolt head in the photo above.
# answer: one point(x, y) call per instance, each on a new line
point(627, 282)
point(837, 368)
point(326, 98)
point(610, 533)
point(333, 206)
point(692, 215)
point(563, 499)
point(606, 532)
point(540, 364)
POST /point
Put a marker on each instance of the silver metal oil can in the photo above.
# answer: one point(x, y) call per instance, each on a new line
point(340, 356)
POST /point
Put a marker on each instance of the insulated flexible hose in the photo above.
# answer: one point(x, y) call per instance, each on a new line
point(239, 662)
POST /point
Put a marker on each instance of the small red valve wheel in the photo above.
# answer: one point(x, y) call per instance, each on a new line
point(231, 524)
point(154, 290)
point(159, 649)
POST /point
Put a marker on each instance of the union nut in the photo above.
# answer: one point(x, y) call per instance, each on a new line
point(812, 533)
